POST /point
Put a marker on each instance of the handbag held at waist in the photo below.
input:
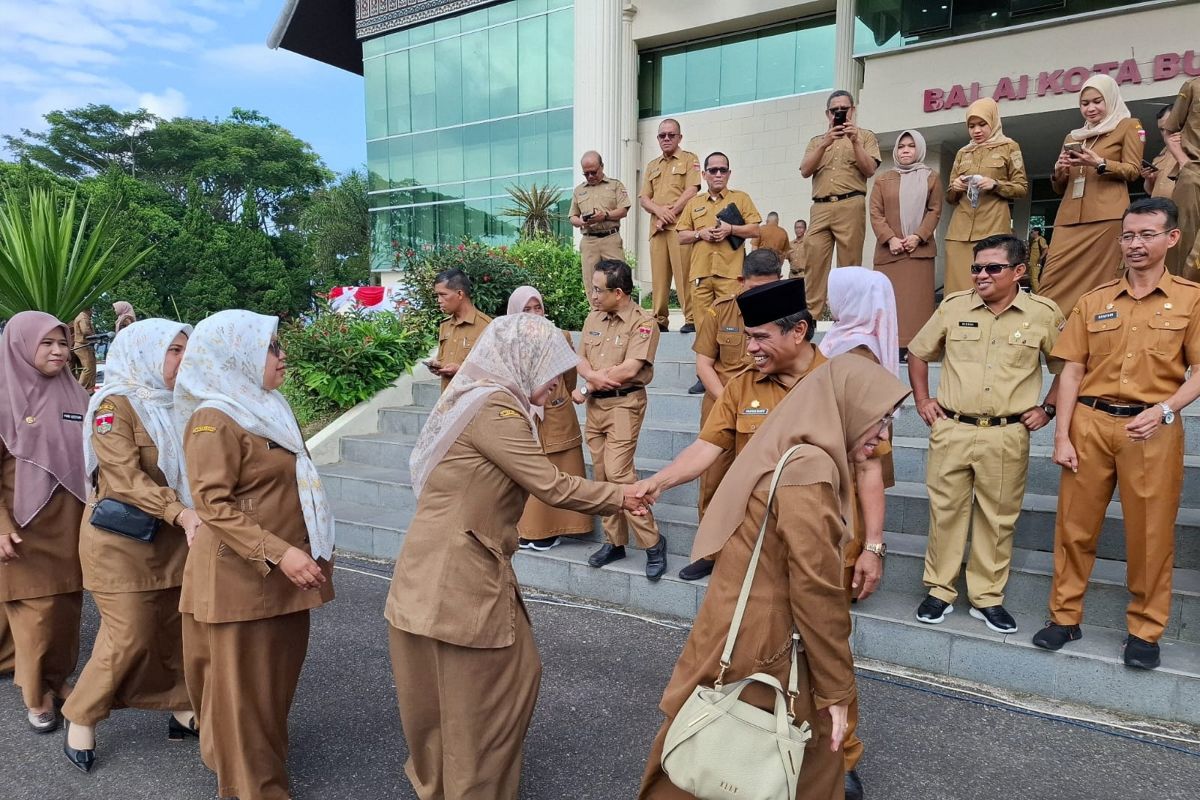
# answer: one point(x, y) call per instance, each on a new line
point(719, 746)
point(121, 518)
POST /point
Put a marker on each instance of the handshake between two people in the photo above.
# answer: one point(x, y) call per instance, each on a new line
point(641, 495)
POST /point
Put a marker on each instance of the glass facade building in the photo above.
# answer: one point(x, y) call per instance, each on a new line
point(460, 109)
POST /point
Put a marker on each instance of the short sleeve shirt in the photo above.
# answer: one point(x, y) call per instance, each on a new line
point(457, 337)
point(716, 258)
point(608, 195)
point(838, 172)
point(668, 177)
point(1185, 119)
point(721, 336)
point(612, 339)
point(1134, 351)
point(991, 363)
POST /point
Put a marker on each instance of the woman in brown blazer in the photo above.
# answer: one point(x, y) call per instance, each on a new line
point(906, 204)
point(988, 172)
point(562, 442)
point(134, 454)
point(466, 667)
point(42, 490)
point(1092, 174)
point(840, 413)
point(262, 557)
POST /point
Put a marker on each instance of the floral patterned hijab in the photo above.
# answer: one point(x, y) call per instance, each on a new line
point(223, 369)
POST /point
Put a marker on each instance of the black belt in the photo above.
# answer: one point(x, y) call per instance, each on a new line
point(617, 392)
point(982, 422)
point(601, 234)
point(833, 198)
point(1113, 409)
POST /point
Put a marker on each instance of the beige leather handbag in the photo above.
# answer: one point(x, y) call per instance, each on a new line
point(718, 746)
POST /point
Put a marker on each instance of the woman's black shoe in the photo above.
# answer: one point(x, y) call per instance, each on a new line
point(81, 759)
point(176, 732)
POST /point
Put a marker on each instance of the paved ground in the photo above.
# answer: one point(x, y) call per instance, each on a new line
point(594, 722)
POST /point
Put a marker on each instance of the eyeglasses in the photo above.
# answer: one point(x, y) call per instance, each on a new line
point(598, 290)
point(591, 173)
point(990, 269)
point(275, 348)
point(668, 136)
point(717, 170)
point(1145, 236)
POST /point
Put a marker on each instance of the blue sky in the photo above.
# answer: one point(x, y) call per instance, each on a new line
point(196, 58)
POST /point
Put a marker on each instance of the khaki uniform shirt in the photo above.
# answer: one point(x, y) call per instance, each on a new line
point(454, 579)
point(838, 172)
point(558, 430)
point(608, 195)
point(456, 338)
point(1104, 197)
point(716, 258)
point(128, 471)
point(1003, 164)
point(244, 489)
point(721, 336)
point(1185, 119)
point(1037, 248)
point(990, 362)
point(1168, 168)
point(797, 253)
point(772, 237)
point(612, 339)
point(668, 177)
point(81, 328)
point(1134, 351)
point(745, 404)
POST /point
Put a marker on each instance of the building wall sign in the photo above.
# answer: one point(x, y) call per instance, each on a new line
point(1163, 67)
point(375, 17)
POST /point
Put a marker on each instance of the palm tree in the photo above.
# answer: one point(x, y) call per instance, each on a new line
point(47, 261)
point(536, 206)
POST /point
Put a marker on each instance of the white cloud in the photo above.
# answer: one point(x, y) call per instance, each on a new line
point(168, 104)
point(257, 60)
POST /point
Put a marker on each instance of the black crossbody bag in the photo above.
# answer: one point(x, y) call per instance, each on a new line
point(124, 519)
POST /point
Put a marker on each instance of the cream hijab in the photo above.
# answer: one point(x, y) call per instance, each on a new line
point(987, 110)
point(1113, 103)
point(516, 354)
point(134, 370)
point(914, 184)
point(830, 409)
point(223, 369)
point(520, 297)
point(863, 305)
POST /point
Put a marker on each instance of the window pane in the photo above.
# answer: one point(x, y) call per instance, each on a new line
point(528, 7)
point(531, 71)
point(397, 93)
point(474, 21)
point(396, 40)
point(560, 55)
point(475, 76)
point(776, 64)
point(377, 165)
point(450, 155)
point(448, 26)
point(477, 146)
point(448, 55)
point(425, 158)
point(647, 102)
point(375, 80)
point(534, 142)
point(673, 91)
point(502, 58)
point(420, 72)
point(814, 58)
point(703, 78)
point(381, 240)
point(739, 69)
point(560, 129)
point(400, 159)
point(421, 34)
point(502, 13)
point(424, 224)
point(504, 146)
point(374, 47)
point(450, 223)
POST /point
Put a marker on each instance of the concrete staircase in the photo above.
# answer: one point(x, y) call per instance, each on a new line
point(373, 501)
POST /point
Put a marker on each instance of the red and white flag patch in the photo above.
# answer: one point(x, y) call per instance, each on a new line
point(103, 422)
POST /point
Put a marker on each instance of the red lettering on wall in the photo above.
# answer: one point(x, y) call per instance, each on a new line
point(1106, 68)
point(1023, 88)
point(1075, 77)
point(933, 100)
point(1050, 82)
point(1004, 90)
point(1129, 72)
point(956, 97)
point(1191, 63)
point(1166, 66)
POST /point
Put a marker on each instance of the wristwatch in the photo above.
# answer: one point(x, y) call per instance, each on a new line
point(1168, 414)
point(1050, 410)
point(1102, 168)
point(583, 390)
point(878, 549)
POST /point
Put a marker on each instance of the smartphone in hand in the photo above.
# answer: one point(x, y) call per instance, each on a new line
point(1147, 165)
point(840, 115)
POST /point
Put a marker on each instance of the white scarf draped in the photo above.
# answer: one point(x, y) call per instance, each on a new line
point(863, 305)
point(1114, 105)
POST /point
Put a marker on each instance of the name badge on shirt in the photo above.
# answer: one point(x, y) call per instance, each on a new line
point(965, 324)
point(69, 417)
point(1105, 315)
point(593, 333)
point(758, 411)
point(731, 329)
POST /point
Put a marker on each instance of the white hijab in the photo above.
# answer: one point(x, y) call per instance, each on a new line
point(1113, 104)
point(223, 369)
point(863, 305)
point(134, 370)
point(516, 354)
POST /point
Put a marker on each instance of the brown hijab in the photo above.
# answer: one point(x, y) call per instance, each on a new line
point(41, 419)
point(987, 110)
point(829, 410)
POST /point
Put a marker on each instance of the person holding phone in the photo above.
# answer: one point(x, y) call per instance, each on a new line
point(597, 207)
point(1093, 171)
point(839, 162)
point(1183, 122)
point(458, 331)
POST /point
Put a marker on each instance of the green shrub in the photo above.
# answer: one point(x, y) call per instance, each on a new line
point(493, 276)
point(555, 271)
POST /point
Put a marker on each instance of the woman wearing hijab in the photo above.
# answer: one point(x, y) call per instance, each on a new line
point(42, 491)
point(262, 558)
point(1092, 174)
point(562, 442)
point(133, 451)
point(466, 667)
point(987, 173)
point(839, 413)
point(125, 316)
point(906, 204)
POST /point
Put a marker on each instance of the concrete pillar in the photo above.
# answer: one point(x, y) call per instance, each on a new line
point(597, 114)
point(630, 146)
point(847, 73)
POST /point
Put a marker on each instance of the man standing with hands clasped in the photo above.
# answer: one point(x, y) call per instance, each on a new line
point(1128, 345)
point(671, 181)
point(991, 341)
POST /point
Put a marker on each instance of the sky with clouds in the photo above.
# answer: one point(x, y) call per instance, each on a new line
point(196, 58)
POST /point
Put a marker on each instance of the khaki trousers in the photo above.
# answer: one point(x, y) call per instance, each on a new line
point(976, 482)
point(1149, 475)
point(45, 634)
point(711, 478)
point(137, 660)
point(670, 259)
point(1187, 197)
point(241, 677)
point(465, 712)
point(709, 290)
point(8, 655)
point(594, 249)
point(87, 361)
point(844, 224)
point(612, 428)
point(852, 746)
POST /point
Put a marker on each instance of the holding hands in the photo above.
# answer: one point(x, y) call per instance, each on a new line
point(635, 502)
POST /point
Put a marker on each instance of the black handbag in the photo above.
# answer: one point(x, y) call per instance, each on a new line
point(124, 519)
point(733, 215)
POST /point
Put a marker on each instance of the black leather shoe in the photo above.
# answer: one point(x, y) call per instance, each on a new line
point(1141, 654)
point(607, 554)
point(854, 787)
point(83, 760)
point(656, 559)
point(933, 610)
point(700, 568)
point(1053, 637)
point(697, 387)
point(996, 618)
point(663, 328)
point(688, 328)
point(177, 732)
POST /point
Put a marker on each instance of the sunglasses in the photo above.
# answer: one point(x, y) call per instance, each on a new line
point(717, 170)
point(669, 136)
point(990, 269)
point(275, 348)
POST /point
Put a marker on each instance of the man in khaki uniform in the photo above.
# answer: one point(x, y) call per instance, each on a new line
point(1184, 119)
point(597, 207)
point(84, 350)
point(671, 181)
point(839, 161)
point(1037, 254)
point(716, 263)
point(1128, 345)
point(461, 329)
point(991, 341)
point(617, 361)
point(772, 237)
point(798, 251)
